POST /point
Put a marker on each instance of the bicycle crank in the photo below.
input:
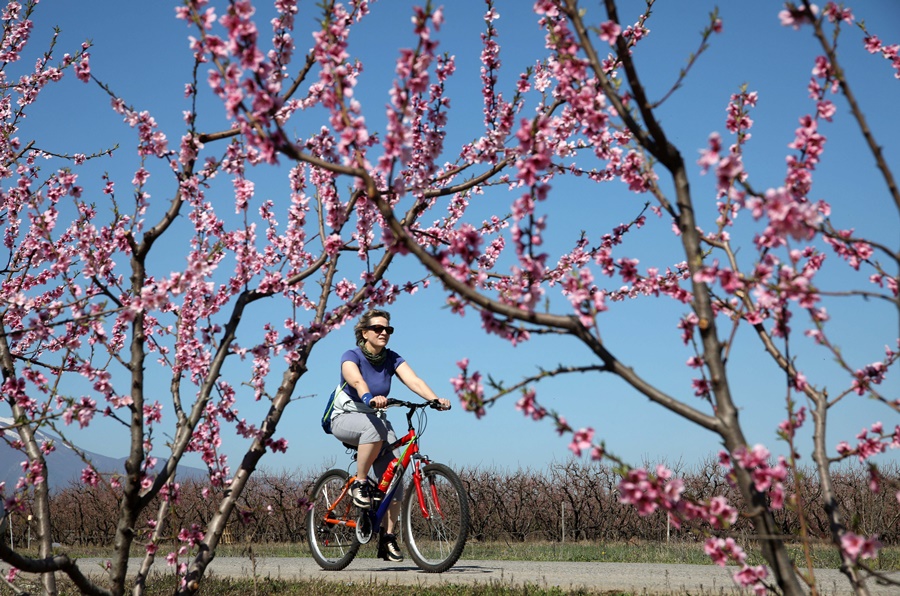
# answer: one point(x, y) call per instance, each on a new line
point(363, 527)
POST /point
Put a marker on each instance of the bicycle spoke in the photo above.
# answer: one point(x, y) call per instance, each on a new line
point(435, 525)
point(331, 531)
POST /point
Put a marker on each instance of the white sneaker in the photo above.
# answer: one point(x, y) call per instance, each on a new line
point(362, 495)
point(388, 549)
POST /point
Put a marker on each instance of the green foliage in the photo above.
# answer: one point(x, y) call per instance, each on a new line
point(165, 586)
point(688, 553)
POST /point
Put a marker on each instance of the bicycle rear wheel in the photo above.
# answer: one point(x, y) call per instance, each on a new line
point(435, 529)
point(332, 541)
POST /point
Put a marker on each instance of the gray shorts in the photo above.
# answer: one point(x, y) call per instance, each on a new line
point(356, 428)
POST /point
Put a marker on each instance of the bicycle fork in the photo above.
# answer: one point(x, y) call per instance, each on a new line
point(420, 493)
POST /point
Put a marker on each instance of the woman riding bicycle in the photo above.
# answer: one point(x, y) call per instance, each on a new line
point(358, 419)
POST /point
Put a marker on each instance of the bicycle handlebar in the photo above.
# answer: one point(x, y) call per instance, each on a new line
point(415, 406)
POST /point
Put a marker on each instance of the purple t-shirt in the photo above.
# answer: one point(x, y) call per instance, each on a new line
point(377, 378)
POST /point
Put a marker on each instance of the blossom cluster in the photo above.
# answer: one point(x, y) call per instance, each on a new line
point(661, 490)
point(469, 389)
point(871, 441)
point(767, 478)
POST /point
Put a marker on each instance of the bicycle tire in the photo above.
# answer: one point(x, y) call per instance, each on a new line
point(333, 546)
point(436, 542)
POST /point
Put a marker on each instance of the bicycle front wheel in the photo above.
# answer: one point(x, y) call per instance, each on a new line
point(332, 539)
point(436, 521)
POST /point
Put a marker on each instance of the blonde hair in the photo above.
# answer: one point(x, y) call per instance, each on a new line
point(366, 319)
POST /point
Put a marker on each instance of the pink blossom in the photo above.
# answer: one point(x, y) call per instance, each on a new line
point(695, 362)
point(628, 269)
point(191, 537)
point(90, 477)
point(140, 177)
point(872, 44)
point(836, 13)
point(872, 374)
point(822, 68)
point(153, 412)
point(766, 477)
point(687, 324)
point(710, 157)
point(701, 387)
point(858, 547)
point(609, 32)
point(528, 405)
point(826, 110)
point(636, 488)
point(83, 411)
point(720, 513)
point(795, 421)
point(277, 445)
point(170, 492)
point(582, 439)
point(796, 16)
point(728, 170)
point(723, 550)
point(648, 493)
point(469, 389)
point(752, 577)
point(83, 68)
point(333, 244)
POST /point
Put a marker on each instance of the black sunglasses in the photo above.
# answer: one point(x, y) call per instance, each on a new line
point(379, 328)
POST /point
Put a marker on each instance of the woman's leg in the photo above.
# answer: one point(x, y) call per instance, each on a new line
point(366, 456)
point(379, 466)
point(392, 516)
point(367, 432)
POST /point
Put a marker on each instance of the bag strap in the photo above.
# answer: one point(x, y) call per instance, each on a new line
point(327, 414)
point(341, 388)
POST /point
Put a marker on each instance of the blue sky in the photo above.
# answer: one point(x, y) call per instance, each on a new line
point(140, 50)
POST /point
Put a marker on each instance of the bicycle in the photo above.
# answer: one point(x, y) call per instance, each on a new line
point(434, 514)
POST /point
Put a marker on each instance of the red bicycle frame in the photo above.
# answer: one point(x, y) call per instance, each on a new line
point(411, 443)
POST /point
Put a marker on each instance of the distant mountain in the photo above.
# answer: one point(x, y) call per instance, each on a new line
point(64, 464)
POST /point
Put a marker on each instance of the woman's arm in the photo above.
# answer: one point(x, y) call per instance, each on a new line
point(417, 385)
point(354, 378)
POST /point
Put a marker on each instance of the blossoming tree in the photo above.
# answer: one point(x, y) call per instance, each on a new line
point(95, 314)
point(595, 119)
point(595, 102)
point(89, 293)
